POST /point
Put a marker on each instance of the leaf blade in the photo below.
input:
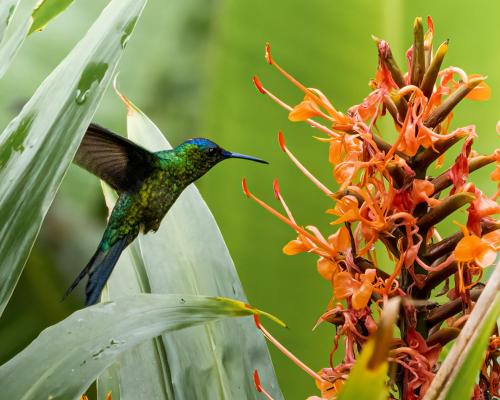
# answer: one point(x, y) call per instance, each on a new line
point(45, 11)
point(66, 358)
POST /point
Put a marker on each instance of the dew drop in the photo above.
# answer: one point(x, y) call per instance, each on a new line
point(81, 97)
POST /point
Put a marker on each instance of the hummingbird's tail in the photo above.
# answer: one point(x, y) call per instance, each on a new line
point(99, 270)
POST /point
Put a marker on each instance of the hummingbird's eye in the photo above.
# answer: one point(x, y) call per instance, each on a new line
point(211, 150)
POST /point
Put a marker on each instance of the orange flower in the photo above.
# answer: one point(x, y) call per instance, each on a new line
point(297, 246)
point(305, 110)
point(481, 207)
point(384, 194)
point(329, 390)
point(481, 251)
point(327, 266)
point(475, 253)
point(359, 290)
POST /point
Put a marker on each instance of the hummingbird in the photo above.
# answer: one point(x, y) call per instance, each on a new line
point(148, 185)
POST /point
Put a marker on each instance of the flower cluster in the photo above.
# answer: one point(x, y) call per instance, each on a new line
point(385, 194)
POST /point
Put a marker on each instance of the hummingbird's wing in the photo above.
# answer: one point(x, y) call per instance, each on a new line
point(116, 160)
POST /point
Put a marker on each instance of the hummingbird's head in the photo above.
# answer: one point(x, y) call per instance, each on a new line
point(206, 153)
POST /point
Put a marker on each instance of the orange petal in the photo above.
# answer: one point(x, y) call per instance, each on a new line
point(361, 296)
point(343, 285)
point(495, 175)
point(466, 248)
point(304, 110)
point(327, 268)
point(295, 246)
point(492, 238)
point(481, 92)
point(335, 152)
point(487, 257)
point(341, 239)
point(485, 206)
point(369, 275)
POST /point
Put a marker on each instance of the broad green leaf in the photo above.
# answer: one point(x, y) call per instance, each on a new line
point(188, 255)
point(38, 145)
point(67, 357)
point(45, 11)
point(460, 370)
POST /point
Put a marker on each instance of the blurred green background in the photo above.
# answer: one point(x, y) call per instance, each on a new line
point(189, 66)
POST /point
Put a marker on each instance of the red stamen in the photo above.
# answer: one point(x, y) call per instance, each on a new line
point(256, 319)
point(245, 187)
point(268, 54)
point(258, 85)
point(259, 387)
point(276, 188)
point(281, 140)
point(256, 380)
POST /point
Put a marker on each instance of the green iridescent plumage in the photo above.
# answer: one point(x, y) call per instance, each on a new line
point(148, 183)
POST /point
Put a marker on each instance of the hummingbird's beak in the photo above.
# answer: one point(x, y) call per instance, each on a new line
point(230, 154)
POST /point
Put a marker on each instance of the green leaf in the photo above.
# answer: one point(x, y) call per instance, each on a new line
point(45, 11)
point(67, 357)
point(188, 255)
point(38, 145)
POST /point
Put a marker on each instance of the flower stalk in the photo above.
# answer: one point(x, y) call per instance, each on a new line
point(387, 195)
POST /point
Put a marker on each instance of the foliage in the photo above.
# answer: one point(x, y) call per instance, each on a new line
point(67, 357)
point(35, 151)
point(387, 198)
